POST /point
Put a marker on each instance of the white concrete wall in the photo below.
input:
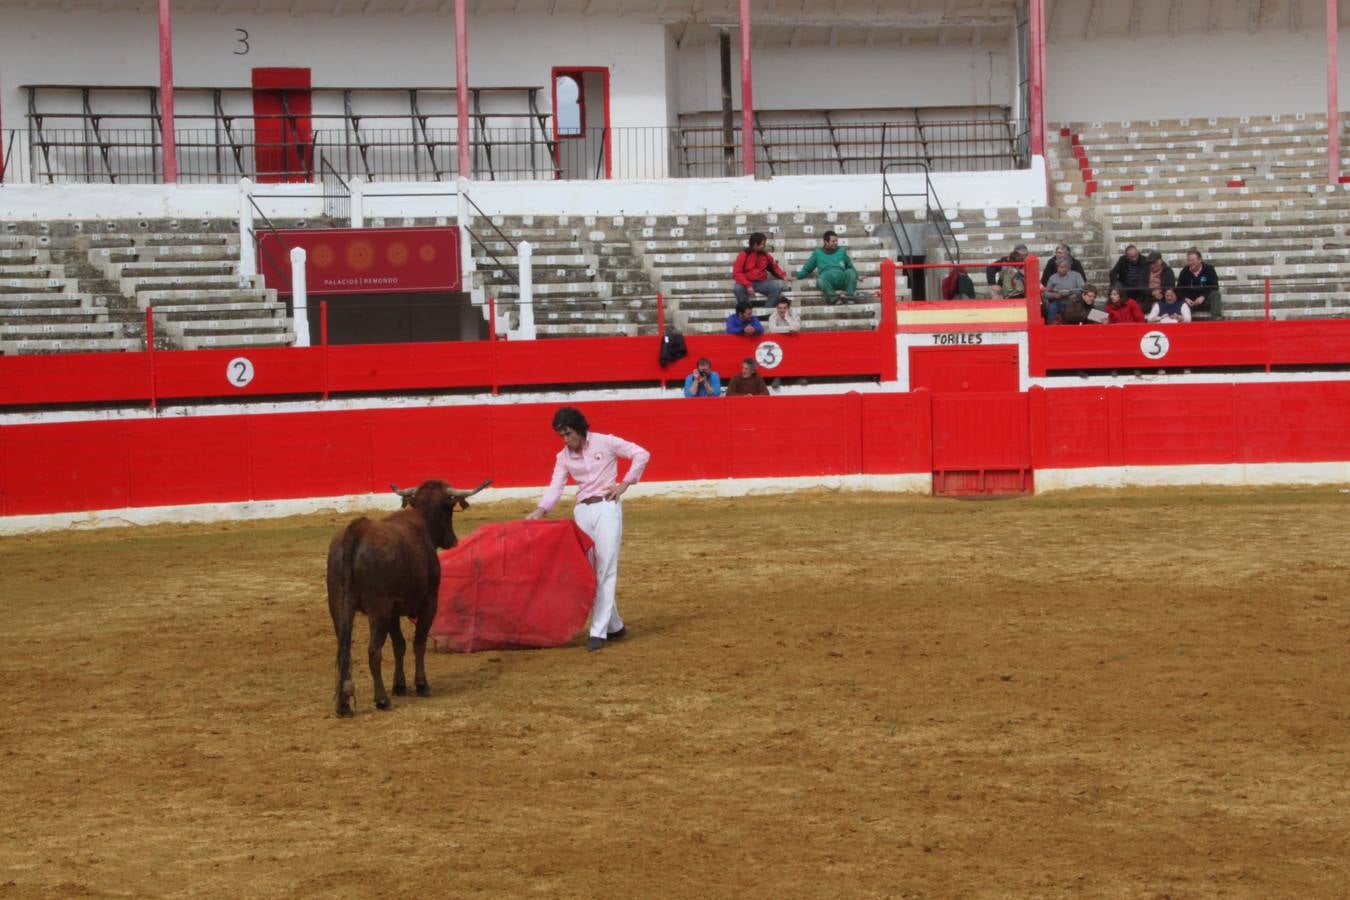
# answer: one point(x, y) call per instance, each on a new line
point(1190, 71)
point(851, 76)
point(957, 190)
point(89, 46)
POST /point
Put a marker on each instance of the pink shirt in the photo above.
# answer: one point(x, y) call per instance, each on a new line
point(595, 468)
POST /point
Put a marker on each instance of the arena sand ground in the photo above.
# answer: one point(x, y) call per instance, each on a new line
point(842, 695)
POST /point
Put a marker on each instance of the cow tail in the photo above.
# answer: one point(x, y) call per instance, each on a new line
point(341, 604)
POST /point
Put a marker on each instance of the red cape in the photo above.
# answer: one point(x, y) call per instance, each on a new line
point(514, 584)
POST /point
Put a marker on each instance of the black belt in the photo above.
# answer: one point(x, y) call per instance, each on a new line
point(590, 500)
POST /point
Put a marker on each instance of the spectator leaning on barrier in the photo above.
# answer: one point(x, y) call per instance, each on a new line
point(1091, 313)
point(1052, 264)
point(1120, 307)
point(752, 269)
point(1198, 285)
point(993, 272)
point(1130, 273)
point(1012, 279)
point(748, 382)
point(957, 285)
point(1062, 285)
point(1168, 307)
point(784, 319)
point(835, 271)
point(703, 381)
point(743, 320)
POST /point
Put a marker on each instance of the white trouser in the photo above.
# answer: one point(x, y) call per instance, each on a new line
point(603, 523)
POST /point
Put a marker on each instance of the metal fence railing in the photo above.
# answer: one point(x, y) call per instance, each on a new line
point(43, 155)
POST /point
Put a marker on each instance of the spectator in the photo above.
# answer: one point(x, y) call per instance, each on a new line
point(995, 292)
point(703, 381)
point(994, 272)
point(836, 271)
point(1052, 264)
point(1012, 279)
point(1168, 307)
point(1063, 284)
point(743, 320)
point(1198, 285)
point(752, 269)
point(958, 285)
point(1160, 274)
point(748, 382)
point(1131, 274)
point(1121, 308)
point(784, 319)
point(1092, 314)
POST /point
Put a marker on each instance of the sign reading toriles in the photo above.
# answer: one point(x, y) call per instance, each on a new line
point(364, 260)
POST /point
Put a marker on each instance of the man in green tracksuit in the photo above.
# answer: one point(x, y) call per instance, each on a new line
point(836, 271)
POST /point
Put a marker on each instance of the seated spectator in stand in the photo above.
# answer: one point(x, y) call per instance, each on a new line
point(1120, 307)
point(1081, 309)
point(1012, 279)
point(1052, 264)
point(1160, 274)
point(703, 381)
point(784, 319)
point(1091, 314)
point(752, 269)
point(835, 271)
point(743, 320)
point(994, 272)
point(957, 285)
point(1198, 285)
point(1168, 307)
point(995, 292)
point(1063, 284)
point(748, 382)
point(1130, 273)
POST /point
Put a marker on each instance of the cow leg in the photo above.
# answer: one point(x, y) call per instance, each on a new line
point(396, 636)
point(420, 653)
point(346, 688)
point(379, 628)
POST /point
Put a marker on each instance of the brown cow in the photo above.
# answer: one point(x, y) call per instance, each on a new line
point(388, 569)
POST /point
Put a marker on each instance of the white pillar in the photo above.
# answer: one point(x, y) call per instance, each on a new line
point(248, 253)
point(525, 258)
point(358, 203)
point(299, 297)
point(464, 219)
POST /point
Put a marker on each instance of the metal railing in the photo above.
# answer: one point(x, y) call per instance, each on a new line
point(222, 154)
point(934, 217)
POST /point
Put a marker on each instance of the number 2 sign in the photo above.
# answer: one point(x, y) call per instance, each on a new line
point(239, 372)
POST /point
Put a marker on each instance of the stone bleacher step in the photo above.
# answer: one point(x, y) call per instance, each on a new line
point(238, 295)
point(72, 345)
point(200, 342)
point(197, 327)
point(233, 311)
point(63, 329)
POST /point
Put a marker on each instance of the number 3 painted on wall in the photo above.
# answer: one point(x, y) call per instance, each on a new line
point(243, 40)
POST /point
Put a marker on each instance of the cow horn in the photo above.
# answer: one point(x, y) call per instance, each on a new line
point(461, 495)
point(404, 492)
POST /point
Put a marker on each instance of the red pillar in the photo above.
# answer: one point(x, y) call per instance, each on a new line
point(1036, 50)
point(747, 101)
point(462, 90)
point(166, 128)
point(1333, 100)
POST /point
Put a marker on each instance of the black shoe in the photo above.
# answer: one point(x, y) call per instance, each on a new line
point(619, 635)
point(594, 644)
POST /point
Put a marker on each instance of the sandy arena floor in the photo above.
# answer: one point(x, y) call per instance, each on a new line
point(836, 695)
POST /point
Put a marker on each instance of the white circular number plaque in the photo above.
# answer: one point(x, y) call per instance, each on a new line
point(768, 355)
point(239, 371)
point(1154, 345)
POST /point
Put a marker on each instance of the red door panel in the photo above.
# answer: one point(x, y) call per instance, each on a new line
point(282, 128)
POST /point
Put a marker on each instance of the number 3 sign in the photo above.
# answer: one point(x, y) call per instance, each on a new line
point(1154, 345)
point(768, 355)
point(239, 372)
